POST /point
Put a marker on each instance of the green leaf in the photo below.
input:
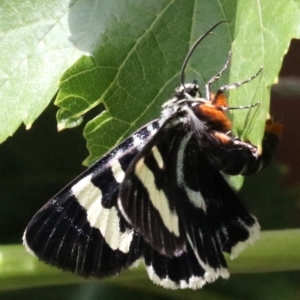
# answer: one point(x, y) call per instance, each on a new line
point(136, 51)
point(136, 64)
point(35, 50)
point(263, 32)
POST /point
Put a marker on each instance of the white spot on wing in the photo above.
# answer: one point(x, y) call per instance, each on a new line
point(157, 157)
point(150, 127)
point(193, 282)
point(195, 197)
point(106, 220)
point(28, 249)
point(211, 274)
point(138, 141)
point(165, 282)
point(157, 197)
point(117, 171)
point(253, 230)
point(137, 263)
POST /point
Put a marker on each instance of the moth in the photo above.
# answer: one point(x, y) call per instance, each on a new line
point(160, 196)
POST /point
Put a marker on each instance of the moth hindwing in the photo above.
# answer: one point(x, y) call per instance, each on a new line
point(159, 196)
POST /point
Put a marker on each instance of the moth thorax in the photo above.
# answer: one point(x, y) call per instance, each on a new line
point(168, 111)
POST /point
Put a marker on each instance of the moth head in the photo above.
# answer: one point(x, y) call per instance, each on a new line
point(189, 90)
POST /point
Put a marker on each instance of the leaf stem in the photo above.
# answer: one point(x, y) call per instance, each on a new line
point(275, 251)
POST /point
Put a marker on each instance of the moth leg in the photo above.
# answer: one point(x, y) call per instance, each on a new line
point(217, 76)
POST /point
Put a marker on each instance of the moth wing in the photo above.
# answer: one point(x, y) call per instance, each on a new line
point(143, 200)
point(80, 229)
point(175, 197)
point(180, 272)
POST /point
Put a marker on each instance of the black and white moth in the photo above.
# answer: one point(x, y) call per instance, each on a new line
point(159, 196)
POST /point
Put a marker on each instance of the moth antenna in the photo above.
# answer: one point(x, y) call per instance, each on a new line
point(192, 49)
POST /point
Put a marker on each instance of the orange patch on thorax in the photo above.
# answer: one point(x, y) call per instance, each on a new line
point(216, 117)
point(219, 100)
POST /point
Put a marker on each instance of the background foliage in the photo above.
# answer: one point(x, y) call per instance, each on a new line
point(123, 59)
